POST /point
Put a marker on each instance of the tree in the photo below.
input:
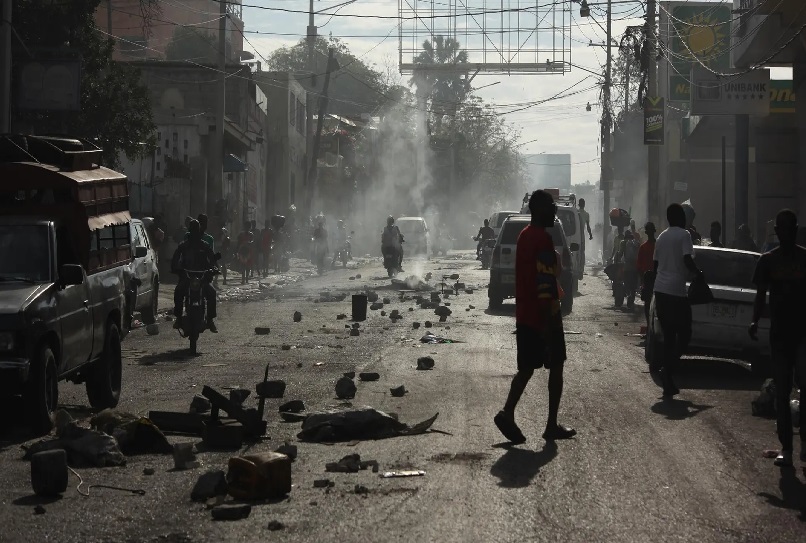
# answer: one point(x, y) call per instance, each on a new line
point(115, 107)
point(355, 88)
point(189, 43)
point(630, 73)
point(445, 88)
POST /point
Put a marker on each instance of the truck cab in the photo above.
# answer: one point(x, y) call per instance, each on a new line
point(65, 279)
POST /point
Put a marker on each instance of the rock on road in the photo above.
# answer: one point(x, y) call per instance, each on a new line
point(640, 468)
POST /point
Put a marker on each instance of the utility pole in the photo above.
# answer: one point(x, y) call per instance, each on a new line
point(606, 174)
point(215, 182)
point(313, 172)
point(5, 68)
point(653, 151)
point(311, 42)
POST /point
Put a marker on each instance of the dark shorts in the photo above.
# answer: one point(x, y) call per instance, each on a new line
point(534, 352)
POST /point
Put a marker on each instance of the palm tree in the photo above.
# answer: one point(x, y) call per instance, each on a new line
point(444, 88)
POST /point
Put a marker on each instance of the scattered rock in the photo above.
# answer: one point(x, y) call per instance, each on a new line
point(356, 325)
point(200, 404)
point(323, 483)
point(372, 297)
point(148, 471)
point(411, 309)
point(361, 490)
point(297, 316)
point(262, 330)
point(239, 395)
point(415, 325)
point(383, 313)
point(468, 291)
point(349, 464)
point(454, 277)
point(471, 307)
point(231, 512)
point(443, 318)
point(387, 301)
point(398, 392)
point(428, 324)
point(286, 347)
point(357, 424)
point(345, 388)
point(369, 376)
point(425, 363)
point(293, 417)
point(294, 406)
point(375, 306)
point(443, 311)
point(341, 317)
point(358, 276)
point(275, 525)
point(352, 278)
point(153, 329)
point(349, 374)
point(39, 510)
point(287, 449)
point(354, 332)
point(270, 389)
point(209, 485)
point(395, 314)
point(184, 457)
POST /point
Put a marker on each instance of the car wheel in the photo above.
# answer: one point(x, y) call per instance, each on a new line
point(150, 315)
point(105, 376)
point(42, 391)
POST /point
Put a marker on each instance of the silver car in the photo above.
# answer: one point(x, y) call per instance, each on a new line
point(720, 328)
point(145, 269)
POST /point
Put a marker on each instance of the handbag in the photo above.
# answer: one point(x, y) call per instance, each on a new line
point(699, 292)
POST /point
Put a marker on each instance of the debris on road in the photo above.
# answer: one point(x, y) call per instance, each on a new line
point(425, 363)
point(369, 376)
point(287, 449)
point(363, 423)
point(259, 476)
point(275, 525)
point(354, 332)
point(223, 435)
point(200, 404)
point(262, 330)
point(49, 472)
point(428, 324)
point(153, 329)
point(292, 417)
point(239, 395)
point(286, 347)
point(341, 317)
point(372, 296)
point(349, 464)
point(84, 447)
point(415, 325)
point(184, 457)
point(271, 389)
point(149, 471)
point(432, 339)
point(770, 453)
point(376, 306)
point(361, 490)
point(231, 512)
point(345, 388)
point(209, 485)
point(135, 435)
point(349, 374)
point(323, 483)
point(398, 392)
point(403, 473)
point(764, 404)
point(297, 316)
point(294, 406)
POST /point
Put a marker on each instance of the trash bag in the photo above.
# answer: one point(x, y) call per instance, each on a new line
point(84, 447)
point(699, 293)
point(362, 423)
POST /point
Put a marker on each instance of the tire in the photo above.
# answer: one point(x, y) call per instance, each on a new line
point(104, 379)
point(150, 316)
point(42, 391)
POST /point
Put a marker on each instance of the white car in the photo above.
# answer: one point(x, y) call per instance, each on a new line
point(497, 220)
point(720, 328)
point(502, 268)
point(574, 230)
point(144, 268)
point(416, 235)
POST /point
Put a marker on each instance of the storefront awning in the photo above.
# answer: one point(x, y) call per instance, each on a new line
point(233, 164)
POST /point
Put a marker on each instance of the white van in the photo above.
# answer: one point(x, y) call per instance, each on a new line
point(416, 235)
point(497, 220)
point(568, 213)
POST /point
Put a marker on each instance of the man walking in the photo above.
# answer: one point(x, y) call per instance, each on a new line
point(674, 262)
point(539, 328)
point(782, 272)
point(645, 264)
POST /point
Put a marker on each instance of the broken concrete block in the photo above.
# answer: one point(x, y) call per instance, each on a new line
point(239, 395)
point(200, 404)
point(294, 406)
point(223, 435)
point(345, 388)
point(297, 316)
point(49, 472)
point(443, 311)
point(428, 324)
point(231, 512)
point(372, 297)
point(349, 464)
point(415, 325)
point(376, 306)
point(398, 391)
point(275, 525)
point(349, 374)
point(270, 389)
point(387, 301)
point(361, 490)
point(289, 450)
point(425, 363)
point(259, 476)
point(354, 332)
point(293, 417)
point(341, 317)
point(323, 483)
point(262, 330)
point(369, 376)
point(184, 457)
point(209, 485)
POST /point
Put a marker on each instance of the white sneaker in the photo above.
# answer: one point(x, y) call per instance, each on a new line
point(784, 459)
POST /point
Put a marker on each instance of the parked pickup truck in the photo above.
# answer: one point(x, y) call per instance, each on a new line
point(65, 277)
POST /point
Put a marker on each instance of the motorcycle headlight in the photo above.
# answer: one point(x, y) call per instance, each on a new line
point(6, 341)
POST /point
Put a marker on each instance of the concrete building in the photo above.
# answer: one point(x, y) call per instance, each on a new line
point(286, 136)
point(148, 34)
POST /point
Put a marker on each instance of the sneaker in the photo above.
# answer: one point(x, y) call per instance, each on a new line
point(212, 327)
point(559, 432)
point(506, 424)
point(784, 459)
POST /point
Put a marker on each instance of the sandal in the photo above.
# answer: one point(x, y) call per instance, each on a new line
point(559, 432)
point(506, 424)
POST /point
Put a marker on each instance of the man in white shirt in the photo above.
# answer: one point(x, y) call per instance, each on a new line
point(674, 263)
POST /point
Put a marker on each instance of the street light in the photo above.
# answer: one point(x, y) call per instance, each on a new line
point(584, 9)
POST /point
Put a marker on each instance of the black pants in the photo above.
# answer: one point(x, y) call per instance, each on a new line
point(787, 358)
point(207, 291)
point(630, 283)
point(674, 314)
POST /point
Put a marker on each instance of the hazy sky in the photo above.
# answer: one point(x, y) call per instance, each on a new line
point(559, 126)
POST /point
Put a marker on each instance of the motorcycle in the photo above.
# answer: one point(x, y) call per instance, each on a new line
point(195, 320)
point(343, 253)
point(319, 254)
point(487, 254)
point(391, 260)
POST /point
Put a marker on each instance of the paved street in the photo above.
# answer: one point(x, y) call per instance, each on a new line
point(640, 468)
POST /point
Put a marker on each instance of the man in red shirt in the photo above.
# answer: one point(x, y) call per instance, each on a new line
point(646, 254)
point(539, 327)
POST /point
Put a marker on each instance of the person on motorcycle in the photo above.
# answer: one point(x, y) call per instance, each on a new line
point(341, 242)
point(206, 238)
point(319, 237)
point(485, 232)
point(193, 254)
point(225, 251)
point(392, 239)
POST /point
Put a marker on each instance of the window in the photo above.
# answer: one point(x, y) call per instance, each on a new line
point(110, 246)
point(167, 144)
point(136, 239)
point(512, 229)
point(726, 268)
point(292, 108)
point(186, 159)
point(159, 135)
point(176, 138)
point(159, 151)
point(186, 144)
point(158, 166)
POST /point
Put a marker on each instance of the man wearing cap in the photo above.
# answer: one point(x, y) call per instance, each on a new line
point(644, 264)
